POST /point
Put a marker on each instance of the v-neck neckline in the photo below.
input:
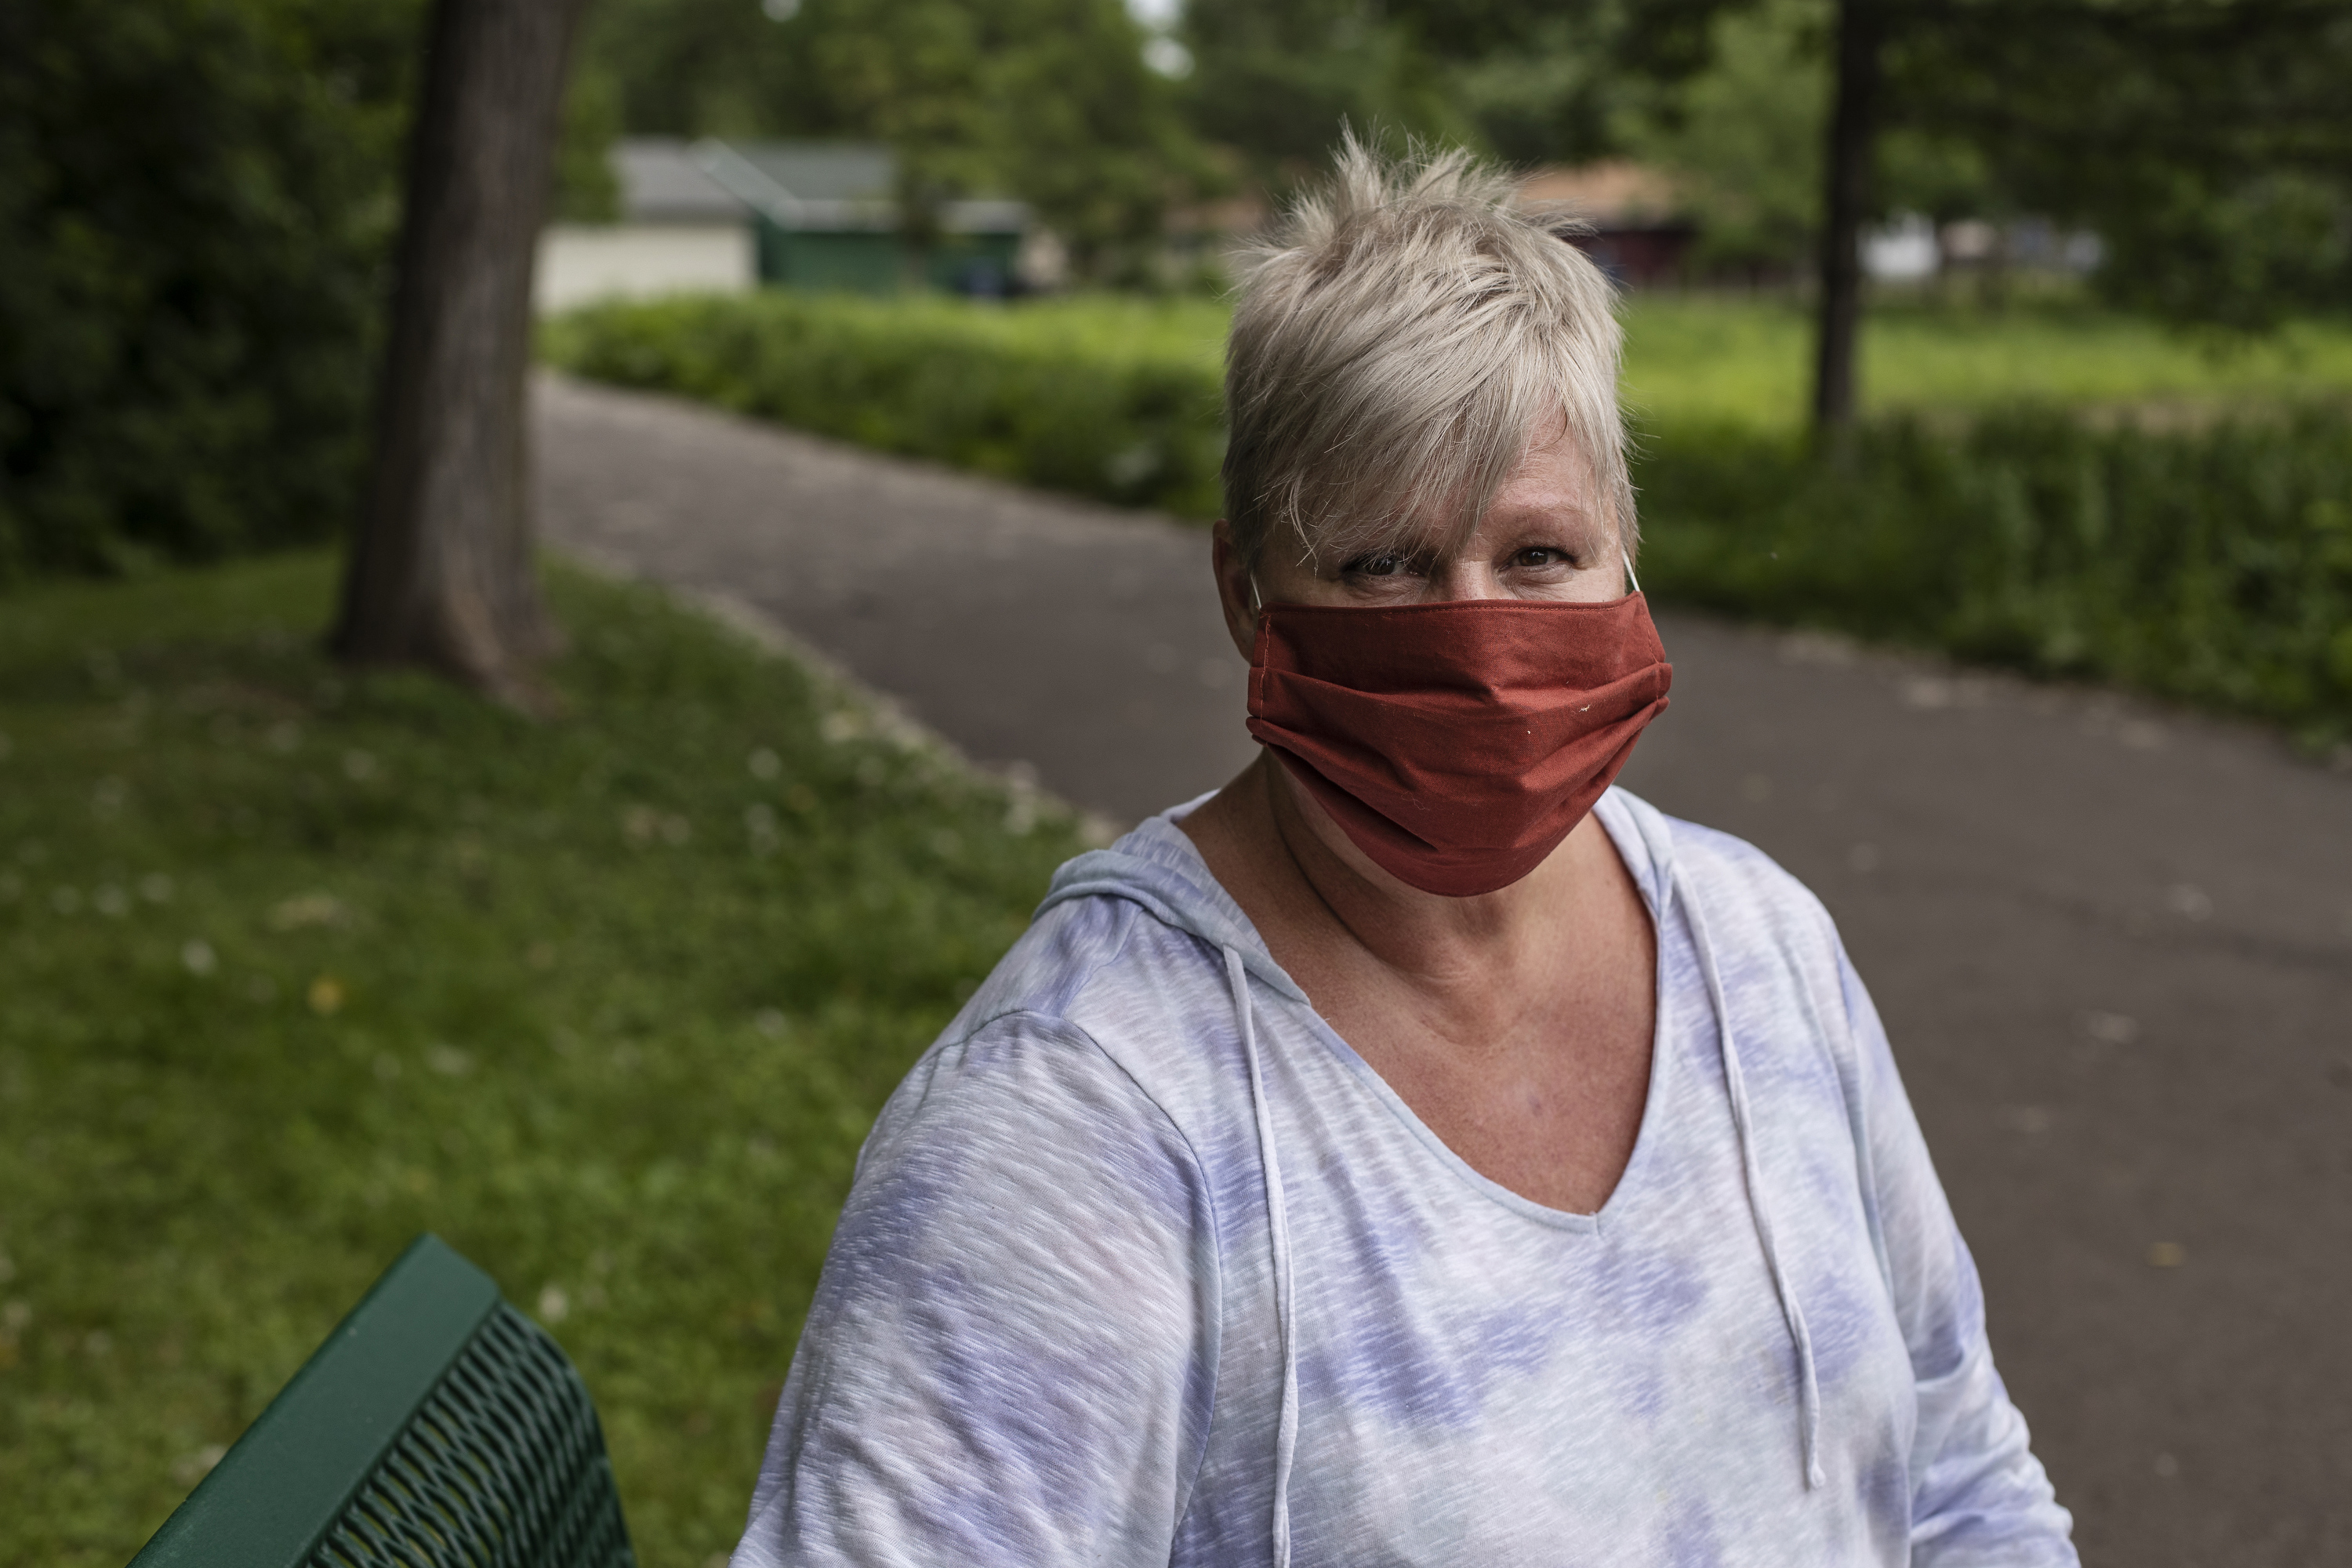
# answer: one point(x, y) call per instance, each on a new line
point(1625, 839)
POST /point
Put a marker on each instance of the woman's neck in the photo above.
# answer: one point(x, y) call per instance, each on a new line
point(1294, 871)
point(1518, 1025)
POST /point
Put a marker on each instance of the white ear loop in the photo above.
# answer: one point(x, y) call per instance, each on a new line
point(1629, 572)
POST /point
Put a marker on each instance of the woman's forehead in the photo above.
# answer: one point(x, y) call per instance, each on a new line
point(1552, 490)
point(1553, 474)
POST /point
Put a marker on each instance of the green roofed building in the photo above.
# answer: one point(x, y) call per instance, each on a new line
point(825, 216)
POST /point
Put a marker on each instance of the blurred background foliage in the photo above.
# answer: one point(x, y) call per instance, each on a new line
point(197, 197)
point(1105, 397)
point(1050, 101)
point(1744, 136)
point(2209, 563)
point(2209, 145)
point(293, 964)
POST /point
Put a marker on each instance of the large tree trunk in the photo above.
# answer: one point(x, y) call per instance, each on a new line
point(441, 573)
point(1854, 125)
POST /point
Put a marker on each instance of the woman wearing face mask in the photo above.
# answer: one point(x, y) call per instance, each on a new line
point(1417, 1150)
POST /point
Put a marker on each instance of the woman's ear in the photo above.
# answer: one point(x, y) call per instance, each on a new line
point(1235, 594)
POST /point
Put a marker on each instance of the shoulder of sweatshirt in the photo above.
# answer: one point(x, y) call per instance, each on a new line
point(1126, 971)
point(1150, 999)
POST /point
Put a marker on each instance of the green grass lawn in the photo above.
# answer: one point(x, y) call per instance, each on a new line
point(1715, 360)
point(294, 965)
point(1695, 359)
point(1702, 358)
point(1729, 358)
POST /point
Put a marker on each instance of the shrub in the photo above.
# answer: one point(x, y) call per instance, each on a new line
point(1115, 399)
point(195, 201)
point(2209, 562)
point(2212, 565)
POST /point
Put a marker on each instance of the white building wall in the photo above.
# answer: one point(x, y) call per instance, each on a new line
point(581, 262)
point(1902, 251)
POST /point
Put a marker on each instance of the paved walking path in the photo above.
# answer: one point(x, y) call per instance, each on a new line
point(2113, 944)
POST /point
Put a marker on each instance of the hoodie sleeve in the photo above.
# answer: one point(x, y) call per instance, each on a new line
point(1978, 1494)
point(1008, 1358)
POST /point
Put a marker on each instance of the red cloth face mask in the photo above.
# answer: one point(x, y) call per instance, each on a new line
point(1456, 743)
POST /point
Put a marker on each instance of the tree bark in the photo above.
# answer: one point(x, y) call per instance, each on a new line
point(441, 573)
point(1853, 127)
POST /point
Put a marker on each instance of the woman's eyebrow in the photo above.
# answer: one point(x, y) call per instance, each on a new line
point(1576, 520)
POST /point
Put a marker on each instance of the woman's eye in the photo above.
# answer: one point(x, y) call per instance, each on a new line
point(1384, 565)
point(1542, 556)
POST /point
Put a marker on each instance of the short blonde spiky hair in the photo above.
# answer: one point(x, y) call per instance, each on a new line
point(1400, 338)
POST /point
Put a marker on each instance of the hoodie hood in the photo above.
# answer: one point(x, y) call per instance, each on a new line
point(1157, 866)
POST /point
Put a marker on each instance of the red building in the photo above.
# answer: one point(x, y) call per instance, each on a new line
point(1638, 234)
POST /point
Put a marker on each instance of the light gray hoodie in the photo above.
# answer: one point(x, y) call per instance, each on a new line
point(1144, 1265)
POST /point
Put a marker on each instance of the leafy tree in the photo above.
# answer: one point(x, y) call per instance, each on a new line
point(1086, 131)
point(1553, 82)
point(1531, 82)
point(1745, 133)
point(1274, 79)
point(195, 198)
point(2208, 143)
point(1554, 99)
point(586, 191)
point(1049, 99)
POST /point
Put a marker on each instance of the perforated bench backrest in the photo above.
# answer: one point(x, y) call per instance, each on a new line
point(436, 1425)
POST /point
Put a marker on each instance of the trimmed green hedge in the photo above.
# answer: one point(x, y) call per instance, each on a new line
point(2211, 563)
point(1116, 399)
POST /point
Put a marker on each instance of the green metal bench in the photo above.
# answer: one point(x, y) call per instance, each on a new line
point(436, 1425)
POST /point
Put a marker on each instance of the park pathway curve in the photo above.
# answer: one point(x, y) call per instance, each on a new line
point(2112, 943)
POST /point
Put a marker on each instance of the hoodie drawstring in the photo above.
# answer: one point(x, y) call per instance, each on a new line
point(1809, 1392)
point(1277, 1219)
point(1286, 1441)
